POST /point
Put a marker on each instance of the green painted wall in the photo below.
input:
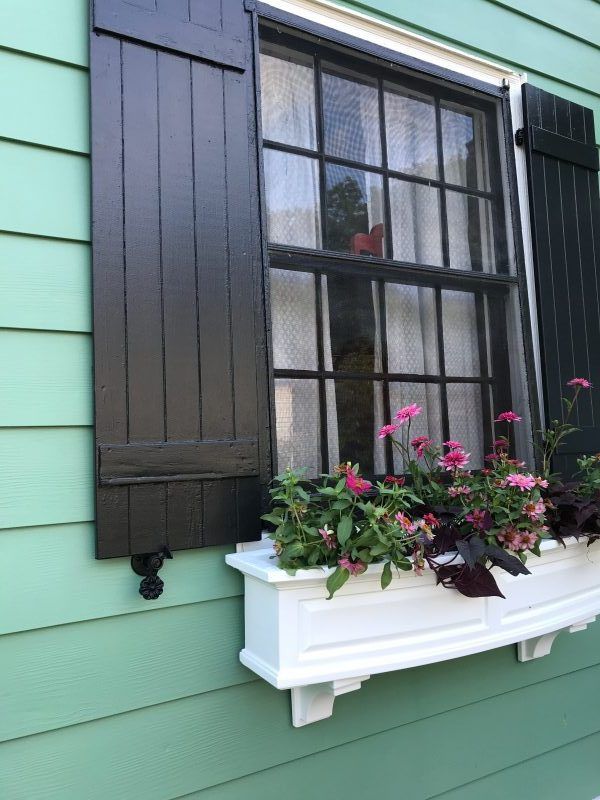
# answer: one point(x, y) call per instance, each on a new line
point(103, 695)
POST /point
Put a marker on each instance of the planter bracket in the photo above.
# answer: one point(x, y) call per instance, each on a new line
point(315, 702)
point(539, 646)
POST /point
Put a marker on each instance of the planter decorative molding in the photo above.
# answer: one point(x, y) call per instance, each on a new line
point(297, 639)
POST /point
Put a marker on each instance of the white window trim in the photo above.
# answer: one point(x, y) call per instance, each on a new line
point(384, 34)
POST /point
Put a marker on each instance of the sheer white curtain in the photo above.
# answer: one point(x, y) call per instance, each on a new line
point(288, 116)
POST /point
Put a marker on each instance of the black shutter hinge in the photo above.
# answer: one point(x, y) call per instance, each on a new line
point(520, 137)
point(148, 565)
point(250, 5)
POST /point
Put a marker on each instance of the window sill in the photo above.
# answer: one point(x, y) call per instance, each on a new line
point(318, 648)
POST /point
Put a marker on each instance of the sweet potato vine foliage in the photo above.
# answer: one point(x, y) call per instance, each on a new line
point(440, 515)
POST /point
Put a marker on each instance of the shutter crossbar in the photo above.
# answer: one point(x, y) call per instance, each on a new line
point(565, 149)
point(177, 461)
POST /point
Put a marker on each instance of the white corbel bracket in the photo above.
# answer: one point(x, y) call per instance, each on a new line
point(314, 703)
point(540, 646)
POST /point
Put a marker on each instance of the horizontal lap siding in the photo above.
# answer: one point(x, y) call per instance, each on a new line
point(159, 698)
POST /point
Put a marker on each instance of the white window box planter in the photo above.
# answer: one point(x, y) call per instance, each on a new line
point(297, 639)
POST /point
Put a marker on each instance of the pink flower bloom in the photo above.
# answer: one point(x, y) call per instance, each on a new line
point(420, 444)
point(453, 445)
point(329, 538)
point(583, 382)
point(353, 567)
point(455, 459)
point(431, 520)
point(457, 491)
point(520, 481)
point(511, 537)
point(387, 430)
point(357, 484)
point(500, 444)
point(528, 540)
point(405, 522)
point(408, 412)
point(541, 482)
point(480, 519)
point(492, 457)
point(508, 416)
point(393, 479)
point(534, 510)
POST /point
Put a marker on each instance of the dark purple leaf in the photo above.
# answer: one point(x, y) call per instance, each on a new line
point(506, 561)
point(477, 582)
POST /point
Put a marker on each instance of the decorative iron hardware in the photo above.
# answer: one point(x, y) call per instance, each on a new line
point(520, 137)
point(148, 565)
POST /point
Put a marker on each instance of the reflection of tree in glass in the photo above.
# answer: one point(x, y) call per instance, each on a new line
point(347, 214)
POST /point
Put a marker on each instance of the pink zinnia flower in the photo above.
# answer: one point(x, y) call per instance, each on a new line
point(500, 444)
point(329, 538)
point(541, 482)
point(353, 567)
point(508, 416)
point(511, 537)
point(528, 539)
point(431, 520)
point(408, 412)
point(357, 484)
point(583, 382)
point(420, 444)
point(394, 479)
point(405, 522)
point(520, 481)
point(479, 518)
point(453, 445)
point(534, 510)
point(457, 491)
point(455, 459)
point(387, 430)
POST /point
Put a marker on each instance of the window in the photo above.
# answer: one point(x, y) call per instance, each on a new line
point(390, 274)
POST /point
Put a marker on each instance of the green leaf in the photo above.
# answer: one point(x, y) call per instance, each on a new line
point(344, 529)
point(340, 505)
point(380, 549)
point(336, 580)
point(273, 518)
point(291, 551)
point(386, 575)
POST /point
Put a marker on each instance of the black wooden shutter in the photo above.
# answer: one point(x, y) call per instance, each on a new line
point(562, 160)
point(180, 364)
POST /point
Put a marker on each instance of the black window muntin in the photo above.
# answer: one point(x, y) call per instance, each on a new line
point(494, 377)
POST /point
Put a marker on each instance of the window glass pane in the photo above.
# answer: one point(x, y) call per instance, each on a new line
point(293, 212)
point(354, 211)
point(464, 145)
point(411, 133)
point(465, 413)
point(351, 119)
point(470, 232)
point(297, 425)
point(416, 228)
point(288, 97)
point(411, 329)
point(351, 324)
point(293, 319)
point(427, 423)
point(354, 416)
point(461, 341)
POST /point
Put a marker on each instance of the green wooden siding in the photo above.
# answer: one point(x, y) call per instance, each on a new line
point(105, 695)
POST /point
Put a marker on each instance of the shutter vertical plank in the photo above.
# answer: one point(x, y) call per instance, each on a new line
point(109, 283)
point(182, 386)
point(182, 426)
point(565, 212)
point(142, 245)
point(184, 514)
point(210, 176)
